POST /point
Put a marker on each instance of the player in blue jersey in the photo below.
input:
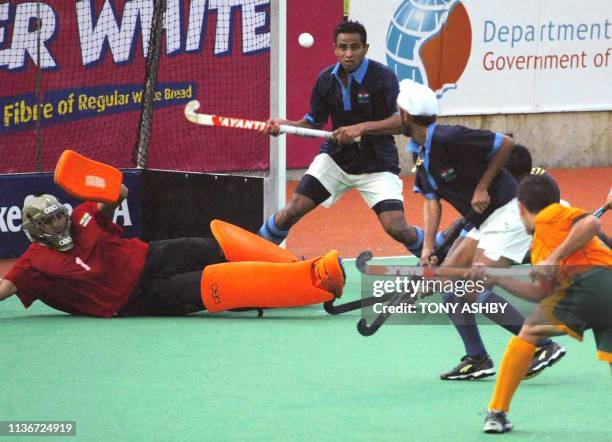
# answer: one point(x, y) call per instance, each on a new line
point(465, 167)
point(359, 95)
point(519, 164)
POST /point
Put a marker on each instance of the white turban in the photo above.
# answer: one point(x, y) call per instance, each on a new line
point(417, 99)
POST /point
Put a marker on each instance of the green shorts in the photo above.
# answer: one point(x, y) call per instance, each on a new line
point(587, 304)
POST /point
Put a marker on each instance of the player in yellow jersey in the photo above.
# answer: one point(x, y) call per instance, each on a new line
point(567, 251)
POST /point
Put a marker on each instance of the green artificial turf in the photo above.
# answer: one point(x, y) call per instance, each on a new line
point(293, 375)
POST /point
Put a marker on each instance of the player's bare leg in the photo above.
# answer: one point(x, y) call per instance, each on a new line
point(444, 234)
point(298, 206)
point(480, 259)
point(276, 228)
point(309, 193)
point(462, 255)
point(394, 223)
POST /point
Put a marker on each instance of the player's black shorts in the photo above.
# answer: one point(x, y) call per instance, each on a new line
point(170, 282)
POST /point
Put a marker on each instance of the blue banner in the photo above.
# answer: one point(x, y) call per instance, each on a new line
point(20, 112)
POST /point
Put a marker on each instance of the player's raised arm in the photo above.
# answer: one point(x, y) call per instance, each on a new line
point(316, 117)
point(389, 126)
point(109, 208)
point(432, 212)
point(387, 119)
point(579, 235)
point(7, 289)
point(481, 198)
point(528, 290)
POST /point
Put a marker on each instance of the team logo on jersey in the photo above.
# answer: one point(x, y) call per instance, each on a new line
point(363, 97)
point(85, 220)
point(80, 262)
point(538, 171)
point(430, 42)
point(448, 174)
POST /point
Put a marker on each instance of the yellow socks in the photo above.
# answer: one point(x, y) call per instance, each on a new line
point(515, 364)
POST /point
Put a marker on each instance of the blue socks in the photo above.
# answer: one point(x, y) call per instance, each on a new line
point(512, 320)
point(270, 231)
point(416, 248)
point(465, 323)
point(439, 238)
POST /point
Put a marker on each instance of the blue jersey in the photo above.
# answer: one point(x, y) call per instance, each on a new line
point(370, 95)
point(451, 163)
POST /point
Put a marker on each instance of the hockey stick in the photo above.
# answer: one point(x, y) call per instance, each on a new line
point(366, 329)
point(451, 236)
point(397, 298)
point(394, 298)
point(242, 123)
point(355, 305)
point(440, 252)
point(601, 234)
point(361, 263)
point(434, 271)
point(599, 212)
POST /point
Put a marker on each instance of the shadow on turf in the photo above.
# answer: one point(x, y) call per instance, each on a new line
point(203, 316)
point(266, 316)
point(46, 317)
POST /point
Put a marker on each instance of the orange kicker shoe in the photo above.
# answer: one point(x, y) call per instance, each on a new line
point(330, 273)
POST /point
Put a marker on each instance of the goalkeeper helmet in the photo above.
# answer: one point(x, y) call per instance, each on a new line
point(45, 220)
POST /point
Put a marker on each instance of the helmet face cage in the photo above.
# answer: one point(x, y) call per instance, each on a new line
point(36, 212)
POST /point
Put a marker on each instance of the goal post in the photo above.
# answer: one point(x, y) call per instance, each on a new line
point(275, 183)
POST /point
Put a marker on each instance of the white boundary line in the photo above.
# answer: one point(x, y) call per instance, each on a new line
point(378, 258)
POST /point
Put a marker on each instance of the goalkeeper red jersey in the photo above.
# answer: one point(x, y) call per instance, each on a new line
point(96, 277)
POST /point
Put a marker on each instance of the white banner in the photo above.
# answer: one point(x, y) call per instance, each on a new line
point(502, 56)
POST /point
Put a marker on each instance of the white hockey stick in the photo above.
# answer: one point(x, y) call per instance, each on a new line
point(241, 123)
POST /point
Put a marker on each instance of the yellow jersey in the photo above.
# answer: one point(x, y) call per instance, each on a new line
point(552, 226)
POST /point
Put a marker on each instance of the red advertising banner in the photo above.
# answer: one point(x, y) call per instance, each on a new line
point(319, 18)
point(83, 89)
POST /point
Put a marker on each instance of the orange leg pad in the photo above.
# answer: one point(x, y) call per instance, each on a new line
point(88, 179)
point(234, 285)
point(241, 245)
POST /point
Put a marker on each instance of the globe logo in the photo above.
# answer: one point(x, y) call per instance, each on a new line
point(430, 41)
